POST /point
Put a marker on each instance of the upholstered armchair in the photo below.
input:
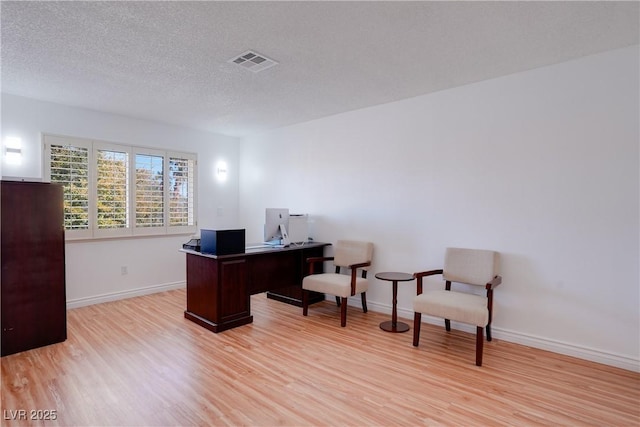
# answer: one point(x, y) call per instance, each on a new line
point(472, 267)
point(351, 256)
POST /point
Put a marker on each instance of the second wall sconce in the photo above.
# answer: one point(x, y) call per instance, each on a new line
point(221, 171)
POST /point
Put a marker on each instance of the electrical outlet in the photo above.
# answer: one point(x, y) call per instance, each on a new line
point(124, 270)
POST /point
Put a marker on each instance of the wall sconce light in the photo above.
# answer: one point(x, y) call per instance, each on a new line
point(221, 171)
point(13, 150)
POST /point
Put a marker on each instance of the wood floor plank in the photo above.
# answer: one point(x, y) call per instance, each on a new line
point(139, 362)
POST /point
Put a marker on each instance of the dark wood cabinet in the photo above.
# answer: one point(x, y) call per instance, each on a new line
point(32, 284)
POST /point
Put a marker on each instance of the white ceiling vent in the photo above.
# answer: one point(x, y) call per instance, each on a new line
point(253, 61)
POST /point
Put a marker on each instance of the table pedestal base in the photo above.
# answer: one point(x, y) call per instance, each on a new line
point(389, 326)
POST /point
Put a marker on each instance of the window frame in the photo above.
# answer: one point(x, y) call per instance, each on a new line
point(132, 230)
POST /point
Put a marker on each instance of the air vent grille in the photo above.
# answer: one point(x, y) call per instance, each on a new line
point(253, 61)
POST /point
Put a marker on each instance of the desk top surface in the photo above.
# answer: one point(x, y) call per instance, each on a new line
point(257, 249)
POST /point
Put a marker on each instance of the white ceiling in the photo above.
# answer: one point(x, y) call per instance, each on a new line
point(168, 61)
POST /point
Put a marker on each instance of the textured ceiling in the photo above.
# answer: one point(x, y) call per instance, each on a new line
point(168, 61)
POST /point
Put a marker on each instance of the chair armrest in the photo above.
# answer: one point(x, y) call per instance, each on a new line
point(313, 260)
point(354, 272)
point(418, 276)
point(427, 273)
point(360, 265)
point(493, 283)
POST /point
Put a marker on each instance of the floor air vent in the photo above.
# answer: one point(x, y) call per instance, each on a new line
point(253, 61)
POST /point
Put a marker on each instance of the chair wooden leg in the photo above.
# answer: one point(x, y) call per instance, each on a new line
point(447, 324)
point(338, 301)
point(479, 338)
point(488, 332)
point(305, 302)
point(417, 320)
point(364, 301)
point(343, 312)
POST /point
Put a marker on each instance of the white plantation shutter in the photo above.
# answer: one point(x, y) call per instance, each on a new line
point(150, 194)
point(70, 167)
point(181, 191)
point(112, 190)
point(67, 163)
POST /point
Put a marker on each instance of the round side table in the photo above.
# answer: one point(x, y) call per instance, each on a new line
point(392, 276)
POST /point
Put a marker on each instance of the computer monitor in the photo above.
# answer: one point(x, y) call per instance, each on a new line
point(273, 218)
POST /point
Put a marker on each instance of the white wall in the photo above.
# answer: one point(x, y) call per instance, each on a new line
point(542, 166)
point(94, 267)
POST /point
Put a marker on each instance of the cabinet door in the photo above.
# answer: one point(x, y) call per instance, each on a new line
point(33, 267)
point(203, 288)
point(234, 298)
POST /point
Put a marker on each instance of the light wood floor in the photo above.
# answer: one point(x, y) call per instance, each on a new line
point(139, 362)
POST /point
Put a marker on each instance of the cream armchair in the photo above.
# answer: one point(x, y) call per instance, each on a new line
point(473, 267)
point(348, 254)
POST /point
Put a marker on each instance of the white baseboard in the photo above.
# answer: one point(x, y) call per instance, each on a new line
point(114, 296)
point(581, 352)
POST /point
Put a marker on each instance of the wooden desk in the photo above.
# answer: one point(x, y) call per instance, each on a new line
point(219, 287)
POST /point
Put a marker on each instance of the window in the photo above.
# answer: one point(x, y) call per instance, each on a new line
point(115, 190)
